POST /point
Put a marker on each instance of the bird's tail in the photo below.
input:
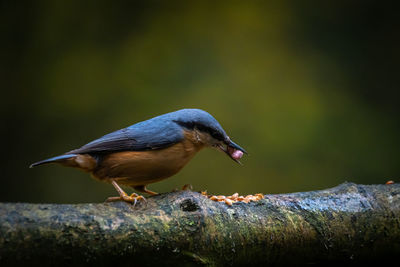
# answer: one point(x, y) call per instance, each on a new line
point(57, 159)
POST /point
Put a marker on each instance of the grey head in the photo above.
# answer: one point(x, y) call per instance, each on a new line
point(200, 120)
point(197, 119)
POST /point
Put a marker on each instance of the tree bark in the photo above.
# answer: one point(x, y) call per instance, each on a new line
point(347, 224)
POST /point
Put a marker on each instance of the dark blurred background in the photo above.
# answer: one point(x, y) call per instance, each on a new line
point(308, 88)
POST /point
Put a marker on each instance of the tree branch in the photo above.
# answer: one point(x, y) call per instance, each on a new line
point(349, 223)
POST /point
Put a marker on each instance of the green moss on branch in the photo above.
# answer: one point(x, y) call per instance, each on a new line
point(349, 223)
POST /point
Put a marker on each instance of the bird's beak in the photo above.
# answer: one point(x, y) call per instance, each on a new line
point(233, 150)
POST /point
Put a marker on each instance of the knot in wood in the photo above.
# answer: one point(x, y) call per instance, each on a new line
point(189, 205)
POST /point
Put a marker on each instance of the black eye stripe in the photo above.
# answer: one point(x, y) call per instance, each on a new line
point(213, 132)
point(187, 125)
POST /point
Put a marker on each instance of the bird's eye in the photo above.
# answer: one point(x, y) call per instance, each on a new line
point(217, 136)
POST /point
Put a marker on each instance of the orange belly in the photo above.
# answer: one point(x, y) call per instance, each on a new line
point(144, 167)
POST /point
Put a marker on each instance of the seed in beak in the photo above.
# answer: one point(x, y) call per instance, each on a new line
point(235, 153)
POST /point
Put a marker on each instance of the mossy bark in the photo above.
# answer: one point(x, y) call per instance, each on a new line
point(348, 224)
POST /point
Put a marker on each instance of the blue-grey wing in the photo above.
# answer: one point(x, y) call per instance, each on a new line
point(138, 137)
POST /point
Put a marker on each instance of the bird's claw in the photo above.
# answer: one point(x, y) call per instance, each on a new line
point(132, 199)
point(187, 187)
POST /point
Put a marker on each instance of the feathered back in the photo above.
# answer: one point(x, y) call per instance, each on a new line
point(159, 132)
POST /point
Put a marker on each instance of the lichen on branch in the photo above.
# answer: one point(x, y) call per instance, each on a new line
point(349, 223)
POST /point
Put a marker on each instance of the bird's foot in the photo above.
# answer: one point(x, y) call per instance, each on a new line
point(187, 187)
point(132, 199)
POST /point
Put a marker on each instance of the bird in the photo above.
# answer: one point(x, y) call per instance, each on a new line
point(149, 151)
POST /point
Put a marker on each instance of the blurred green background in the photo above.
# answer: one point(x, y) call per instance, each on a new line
point(308, 88)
